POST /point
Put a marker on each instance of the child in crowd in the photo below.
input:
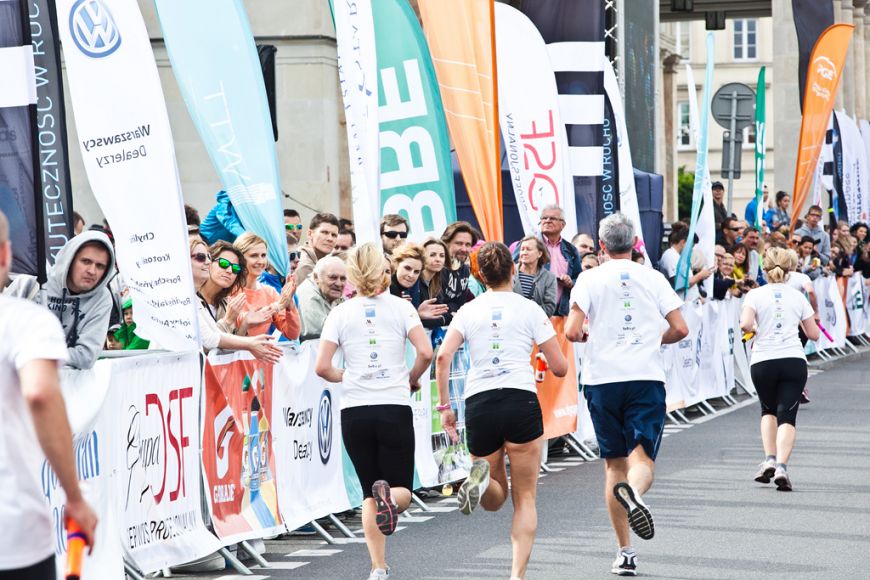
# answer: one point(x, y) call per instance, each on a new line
point(126, 334)
point(113, 343)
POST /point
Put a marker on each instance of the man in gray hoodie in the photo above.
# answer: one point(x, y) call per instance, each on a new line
point(76, 292)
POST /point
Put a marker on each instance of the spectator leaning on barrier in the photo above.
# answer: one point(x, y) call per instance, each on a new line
point(219, 294)
point(531, 279)
point(751, 240)
point(222, 222)
point(459, 237)
point(76, 292)
point(33, 423)
point(322, 234)
point(814, 230)
point(126, 333)
point(293, 223)
point(407, 262)
point(394, 231)
point(627, 305)
point(319, 294)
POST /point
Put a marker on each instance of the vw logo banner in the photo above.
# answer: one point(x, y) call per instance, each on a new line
point(93, 29)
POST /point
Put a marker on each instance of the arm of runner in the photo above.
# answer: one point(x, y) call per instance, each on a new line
point(423, 346)
point(677, 329)
point(811, 296)
point(40, 386)
point(747, 319)
point(452, 341)
point(811, 328)
point(555, 359)
point(574, 324)
point(323, 367)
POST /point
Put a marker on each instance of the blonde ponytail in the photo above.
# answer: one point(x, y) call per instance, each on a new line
point(778, 262)
point(365, 270)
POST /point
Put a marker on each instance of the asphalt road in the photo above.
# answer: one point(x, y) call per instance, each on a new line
point(712, 520)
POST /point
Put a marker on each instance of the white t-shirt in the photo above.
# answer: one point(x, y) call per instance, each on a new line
point(778, 312)
point(27, 332)
point(669, 261)
point(626, 304)
point(371, 333)
point(798, 281)
point(499, 329)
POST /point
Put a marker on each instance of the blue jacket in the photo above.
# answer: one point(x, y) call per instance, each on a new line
point(751, 208)
point(572, 256)
point(222, 222)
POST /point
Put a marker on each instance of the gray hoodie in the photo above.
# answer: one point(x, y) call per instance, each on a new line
point(84, 317)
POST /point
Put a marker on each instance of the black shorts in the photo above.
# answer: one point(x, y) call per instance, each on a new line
point(493, 418)
point(779, 383)
point(379, 440)
point(45, 570)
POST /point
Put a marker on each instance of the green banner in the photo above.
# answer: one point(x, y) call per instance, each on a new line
point(760, 129)
point(416, 172)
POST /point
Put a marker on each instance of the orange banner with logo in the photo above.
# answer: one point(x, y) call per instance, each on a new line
point(823, 79)
point(461, 37)
point(559, 397)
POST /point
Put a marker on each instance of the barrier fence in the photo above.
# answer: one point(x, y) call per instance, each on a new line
point(183, 455)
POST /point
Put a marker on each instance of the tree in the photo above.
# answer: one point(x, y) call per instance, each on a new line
point(685, 187)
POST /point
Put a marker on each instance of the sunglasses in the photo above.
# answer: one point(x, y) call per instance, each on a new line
point(223, 264)
point(201, 257)
point(734, 229)
point(291, 227)
point(294, 256)
point(394, 235)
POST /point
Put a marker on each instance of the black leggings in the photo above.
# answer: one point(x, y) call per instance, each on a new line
point(44, 570)
point(779, 384)
point(379, 440)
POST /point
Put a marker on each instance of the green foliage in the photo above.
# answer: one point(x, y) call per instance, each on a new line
point(685, 186)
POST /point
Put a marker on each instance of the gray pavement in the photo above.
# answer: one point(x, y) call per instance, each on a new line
point(712, 520)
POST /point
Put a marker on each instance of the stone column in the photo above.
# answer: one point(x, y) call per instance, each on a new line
point(847, 84)
point(786, 117)
point(860, 61)
point(669, 90)
point(866, 17)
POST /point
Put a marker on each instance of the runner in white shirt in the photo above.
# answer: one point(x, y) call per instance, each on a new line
point(33, 422)
point(632, 311)
point(779, 366)
point(804, 284)
point(502, 414)
point(376, 422)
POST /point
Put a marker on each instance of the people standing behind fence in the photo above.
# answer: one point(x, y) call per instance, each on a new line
point(862, 248)
point(220, 293)
point(627, 306)
point(394, 231)
point(531, 280)
point(126, 333)
point(33, 425)
point(729, 232)
point(293, 224)
point(676, 242)
point(322, 234)
point(222, 222)
point(377, 427)
point(843, 264)
point(814, 230)
point(779, 215)
point(212, 336)
point(319, 294)
point(502, 413)
point(458, 237)
point(809, 261)
point(76, 292)
point(434, 259)
point(264, 307)
point(752, 241)
point(407, 266)
point(778, 363)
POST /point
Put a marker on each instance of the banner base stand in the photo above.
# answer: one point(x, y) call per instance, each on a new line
point(343, 528)
point(580, 447)
point(420, 503)
point(260, 560)
point(234, 562)
point(132, 572)
point(321, 531)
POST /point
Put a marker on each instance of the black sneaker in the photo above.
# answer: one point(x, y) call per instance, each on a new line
point(639, 517)
point(387, 514)
point(625, 563)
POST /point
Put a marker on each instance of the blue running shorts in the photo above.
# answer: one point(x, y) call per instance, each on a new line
point(626, 415)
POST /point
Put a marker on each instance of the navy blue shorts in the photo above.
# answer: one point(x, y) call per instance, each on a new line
point(627, 414)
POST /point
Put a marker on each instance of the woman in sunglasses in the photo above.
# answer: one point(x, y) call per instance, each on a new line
point(260, 347)
point(227, 274)
point(263, 306)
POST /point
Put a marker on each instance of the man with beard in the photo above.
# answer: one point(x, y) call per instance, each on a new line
point(459, 237)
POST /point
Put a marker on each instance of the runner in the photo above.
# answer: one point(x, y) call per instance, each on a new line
point(623, 374)
point(779, 365)
point(502, 413)
point(376, 421)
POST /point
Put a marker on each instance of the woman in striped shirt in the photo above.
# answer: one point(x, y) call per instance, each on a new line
point(531, 279)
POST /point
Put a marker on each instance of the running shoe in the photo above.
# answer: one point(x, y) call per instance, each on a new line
point(379, 574)
point(765, 471)
point(473, 488)
point(625, 563)
point(805, 396)
point(781, 479)
point(639, 517)
point(387, 514)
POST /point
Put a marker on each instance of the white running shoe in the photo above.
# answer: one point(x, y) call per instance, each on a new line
point(766, 471)
point(625, 563)
point(639, 517)
point(380, 574)
point(473, 488)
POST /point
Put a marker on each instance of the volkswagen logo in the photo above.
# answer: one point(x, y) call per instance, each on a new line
point(93, 29)
point(324, 426)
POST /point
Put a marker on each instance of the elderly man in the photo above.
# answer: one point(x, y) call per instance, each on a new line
point(322, 235)
point(319, 294)
point(76, 292)
point(394, 232)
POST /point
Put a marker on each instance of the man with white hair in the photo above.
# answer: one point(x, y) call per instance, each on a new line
point(623, 374)
point(319, 294)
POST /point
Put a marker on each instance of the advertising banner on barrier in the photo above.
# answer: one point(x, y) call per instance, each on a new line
point(85, 394)
point(681, 363)
point(416, 168)
point(831, 311)
point(855, 171)
point(312, 481)
point(154, 410)
point(855, 304)
point(535, 140)
point(558, 397)
point(238, 459)
point(129, 156)
point(218, 72)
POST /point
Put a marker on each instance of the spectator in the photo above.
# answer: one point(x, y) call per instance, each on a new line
point(776, 239)
point(859, 232)
point(345, 241)
point(320, 293)
point(531, 279)
point(751, 240)
point(434, 257)
point(191, 217)
point(729, 232)
point(112, 342)
point(222, 222)
point(862, 248)
point(78, 223)
point(766, 213)
point(293, 253)
point(590, 260)
point(394, 231)
point(126, 333)
point(741, 260)
point(584, 244)
point(405, 282)
point(794, 242)
point(260, 347)
point(293, 223)
point(815, 231)
point(34, 424)
point(720, 212)
point(346, 224)
point(671, 257)
point(809, 262)
point(843, 265)
point(227, 275)
point(779, 216)
point(695, 290)
point(458, 237)
point(322, 234)
point(264, 308)
point(635, 257)
point(76, 292)
point(724, 283)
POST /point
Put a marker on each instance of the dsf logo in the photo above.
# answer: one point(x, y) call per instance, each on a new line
point(93, 29)
point(324, 426)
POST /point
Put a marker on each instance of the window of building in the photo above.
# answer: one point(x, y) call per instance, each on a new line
point(683, 38)
point(746, 39)
point(684, 134)
point(749, 137)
